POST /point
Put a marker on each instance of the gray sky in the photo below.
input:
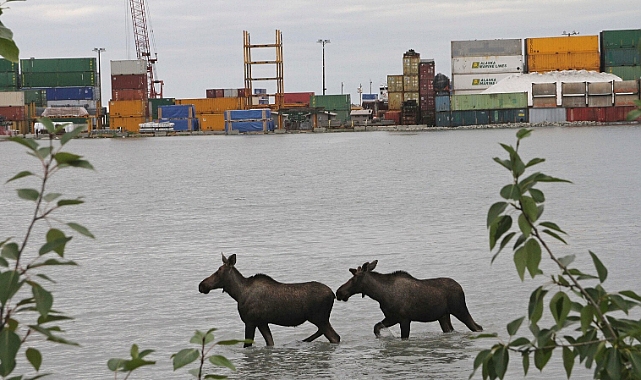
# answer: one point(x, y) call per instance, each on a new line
point(200, 42)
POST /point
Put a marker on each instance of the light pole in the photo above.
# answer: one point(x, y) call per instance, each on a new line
point(323, 42)
point(99, 97)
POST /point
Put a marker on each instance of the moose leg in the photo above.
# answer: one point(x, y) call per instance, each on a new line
point(467, 319)
point(250, 331)
point(331, 334)
point(267, 334)
point(405, 329)
point(387, 322)
point(313, 336)
point(446, 323)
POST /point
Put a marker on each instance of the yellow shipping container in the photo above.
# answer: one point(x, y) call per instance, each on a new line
point(410, 64)
point(395, 83)
point(410, 83)
point(128, 108)
point(551, 45)
point(213, 105)
point(212, 121)
point(563, 61)
point(395, 100)
point(129, 124)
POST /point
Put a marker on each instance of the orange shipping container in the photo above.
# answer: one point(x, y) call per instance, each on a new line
point(213, 105)
point(212, 121)
point(129, 124)
point(542, 63)
point(127, 108)
point(551, 45)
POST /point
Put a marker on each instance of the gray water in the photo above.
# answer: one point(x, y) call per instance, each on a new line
point(309, 207)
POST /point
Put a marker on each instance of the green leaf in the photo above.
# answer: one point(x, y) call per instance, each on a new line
point(524, 225)
point(529, 208)
point(541, 358)
point(134, 351)
point(70, 135)
point(22, 174)
point(633, 115)
point(135, 363)
point(554, 235)
point(9, 346)
point(533, 250)
point(635, 359)
point(520, 342)
point(511, 192)
point(10, 251)
point(568, 361)
point(44, 299)
point(4, 263)
point(567, 260)
point(28, 194)
point(505, 163)
point(613, 363)
point(56, 241)
point(501, 360)
point(523, 133)
point(600, 268)
point(560, 306)
point(50, 262)
point(481, 358)
point(34, 357)
point(513, 326)
point(537, 195)
point(51, 197)
point(526, 363)
point(498, 228)
point(81, 229)
point(48, 124)
point(535, 307)
point(214, 376)
point(520, 260)
point(115, 364)
point(9, 284)
point(8, 48)
point(184, 357)
point(221, 361)
point(552, 226)
point(48, 332)
point(630, 294)
point(495, 210)
point(534, 161)
point(504, 242)
point(44, 152)
point(69, 159)
point(70, 202)
point(29, 143)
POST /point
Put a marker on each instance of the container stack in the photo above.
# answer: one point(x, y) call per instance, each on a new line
point(227, 93)
point(210, 111)
point(8, 75)
point(12, 106)
point(338, 104)
point(243, 121)
point(260, 96)
point(426, 93)
point(478, 109)
point(620, 54)
point(411, 61)
point(573, 94)
point(479, 64)
point(129, 105)
point(600, 94)
point(545, 54)
point(183, 116)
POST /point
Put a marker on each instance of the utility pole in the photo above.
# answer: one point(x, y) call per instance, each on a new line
point(323, 42)
point(99, 97)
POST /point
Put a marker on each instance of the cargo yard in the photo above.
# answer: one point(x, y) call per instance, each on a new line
point(536, 80)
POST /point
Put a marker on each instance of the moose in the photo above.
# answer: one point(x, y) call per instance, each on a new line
point(404, 299)
point(263, 300)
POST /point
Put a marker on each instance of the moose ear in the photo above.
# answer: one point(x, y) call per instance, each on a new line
point(224, 258)
point(372, 265)
point(232, 259)
point(353, 271)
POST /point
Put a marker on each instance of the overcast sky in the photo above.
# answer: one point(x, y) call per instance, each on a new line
point(200, 42)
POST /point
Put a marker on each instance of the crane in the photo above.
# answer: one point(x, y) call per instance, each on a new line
point(143, 49)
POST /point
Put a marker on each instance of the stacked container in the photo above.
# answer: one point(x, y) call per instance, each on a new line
point(129, 105)
point(479, 64)
point(545, 54)
point(183, 116)
point(426, 74)
point(620, 53)
point(411, 61)
point(127, 115)
point(8, 75)
point(210, 111)
point(242, 121)
point(395, 92)
point(58, 72)
point(339, 104)
point(12, 106)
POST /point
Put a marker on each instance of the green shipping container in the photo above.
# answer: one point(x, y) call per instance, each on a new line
point(331, 102)
point(616, 39)
point(504, 116)
point(38, 97)
point(157, 102)
point(625, 72)
point(489, 101)
point(621, 57)
point(9, 79)
point(58, 65)
point(8, 66)
point(63, 79)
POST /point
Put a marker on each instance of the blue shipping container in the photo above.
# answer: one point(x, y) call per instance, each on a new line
point(249, 126)
point(70, 93)
point(442, 103)
point(261, 114)
point(182, 125)
point(443, 119)
point(179, 111)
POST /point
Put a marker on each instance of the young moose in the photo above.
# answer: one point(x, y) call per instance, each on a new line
point(404, 299)
point(263, 300)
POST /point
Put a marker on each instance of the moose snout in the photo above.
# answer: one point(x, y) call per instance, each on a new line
point(203, 289)
point(342, 295)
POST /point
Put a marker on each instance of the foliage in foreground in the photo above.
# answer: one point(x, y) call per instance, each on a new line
point(586, 327)
point(8, 48)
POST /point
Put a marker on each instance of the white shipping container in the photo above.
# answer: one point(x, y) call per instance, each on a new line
point(476, 81)
point(547, 115)
point(488, 64)
point(129, 67)
point(230, 93)
point(12, 99)
point(475, 48)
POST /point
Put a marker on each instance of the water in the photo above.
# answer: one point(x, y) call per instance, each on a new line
point(308, 207)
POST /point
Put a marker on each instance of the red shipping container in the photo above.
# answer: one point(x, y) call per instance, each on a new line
point(13, 113)
point(297, 97)
point(129, 82)
point(599, 114)
point(613, 114)
point(215, 93)
point(394, 116)
point(128, 94)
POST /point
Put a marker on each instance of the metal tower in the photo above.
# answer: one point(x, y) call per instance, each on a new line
point(278, 62)
point(143, 49)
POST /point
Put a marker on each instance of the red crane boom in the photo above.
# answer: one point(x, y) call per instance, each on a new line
point(143, 49)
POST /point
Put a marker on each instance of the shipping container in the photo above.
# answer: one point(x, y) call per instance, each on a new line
point(129, 67)
point(477, 81)
point(625, 99)
point(70, 93)
point(410, 83)
point(13, 113)
point(248, 115)
point(212, 105)
point(183, 125)
point(129, 124)
point(624, 72)
point(544, 102)
point(625, 86)
point(442, 103)
point(444, 119)
point(572, 88)
point(62, 79)
point(428, 117)
point(12, 99)
point(621, 57)
point(212, 122)
point(230, 93)
point(426, 68)
point(566, 44)
point(544, 62)
point(617, 39)
point(461, 118)
point(505, 116)
point(331, 102)
point(411, 96)
point(600, 100)
point(477, 48)
point(394, 100)
point(395, 83)
point(599, 88)
point(395, 116)
point(37, 97)
point(128, 94)
point(215, 93)
point(297, 97)
point(127, 108)
point(154, 103)
point(58, 65)
point(411, 60)
point(546, 115)
point(489, 101)
point(129, 82)
point(9, 80)
point(488, 64)
point(8, 66)
point(616, 114)
point(177, 111)
point(573, 101)
point(543, 89)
